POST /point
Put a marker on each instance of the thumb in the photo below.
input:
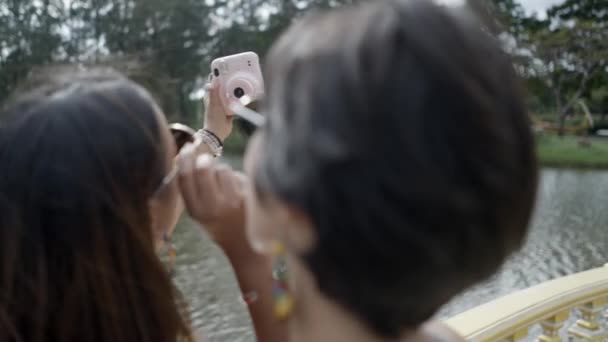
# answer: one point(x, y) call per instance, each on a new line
point(242, 181)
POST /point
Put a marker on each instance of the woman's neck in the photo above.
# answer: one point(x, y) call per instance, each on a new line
point(317, 318)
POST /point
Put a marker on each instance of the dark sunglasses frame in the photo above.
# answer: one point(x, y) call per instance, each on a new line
point(182, 134)
point(250, 120)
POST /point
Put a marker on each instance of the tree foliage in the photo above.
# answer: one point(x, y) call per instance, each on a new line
point(563, 55)
point(171, 42)
point(168, 44)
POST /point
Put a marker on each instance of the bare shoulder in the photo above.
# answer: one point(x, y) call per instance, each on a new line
point(441, 332)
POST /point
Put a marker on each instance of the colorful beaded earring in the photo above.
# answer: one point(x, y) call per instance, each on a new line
point(283, 300)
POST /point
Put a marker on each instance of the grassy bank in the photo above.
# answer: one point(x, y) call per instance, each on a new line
point(553, 151)
point(566, 151)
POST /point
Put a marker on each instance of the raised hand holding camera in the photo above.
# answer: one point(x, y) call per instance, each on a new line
point(236, 81)
point(240, 78)
point(218, 119)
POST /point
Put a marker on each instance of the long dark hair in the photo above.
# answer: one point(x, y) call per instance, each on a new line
point(80, 156)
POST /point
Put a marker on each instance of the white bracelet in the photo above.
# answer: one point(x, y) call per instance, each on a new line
point(216, 146)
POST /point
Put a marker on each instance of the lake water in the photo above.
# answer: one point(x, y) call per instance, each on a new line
point(569, 234)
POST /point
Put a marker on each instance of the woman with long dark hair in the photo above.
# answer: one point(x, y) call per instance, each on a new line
point(88, 195)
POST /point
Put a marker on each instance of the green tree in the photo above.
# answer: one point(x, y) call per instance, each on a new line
point(31, 35)
point(567, 57)
point(166, 45)
point(590, 10)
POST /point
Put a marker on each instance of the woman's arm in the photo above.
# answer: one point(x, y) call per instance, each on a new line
point(254, 275)
point(217, 119)
point(213, 195)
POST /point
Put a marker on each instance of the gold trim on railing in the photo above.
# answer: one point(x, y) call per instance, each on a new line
point(552, 326)
point(588, 327)
point(549, 304)
point(518, 335)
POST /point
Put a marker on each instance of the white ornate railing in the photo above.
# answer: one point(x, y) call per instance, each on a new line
point(571, 308)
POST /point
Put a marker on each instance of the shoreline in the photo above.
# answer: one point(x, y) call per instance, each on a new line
point(553, 151)
point(566, 152)
point(572, 166)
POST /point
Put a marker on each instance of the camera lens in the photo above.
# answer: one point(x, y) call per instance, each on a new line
point(239, 92)
point(216, 72)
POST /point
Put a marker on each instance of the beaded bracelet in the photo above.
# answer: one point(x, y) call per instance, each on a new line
point(213, 135)
point(212, 140)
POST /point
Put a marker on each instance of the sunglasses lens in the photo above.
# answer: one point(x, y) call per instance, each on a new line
point(182, 138)
point(182, 135)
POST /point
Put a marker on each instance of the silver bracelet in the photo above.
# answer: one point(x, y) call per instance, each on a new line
point(211, 140)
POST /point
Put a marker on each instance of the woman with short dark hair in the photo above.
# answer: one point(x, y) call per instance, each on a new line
point(396, 168)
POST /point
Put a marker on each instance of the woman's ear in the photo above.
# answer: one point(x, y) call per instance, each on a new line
point(275, 221)
point(300, 234)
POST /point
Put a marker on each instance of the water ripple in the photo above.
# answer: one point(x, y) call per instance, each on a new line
point(568, 235)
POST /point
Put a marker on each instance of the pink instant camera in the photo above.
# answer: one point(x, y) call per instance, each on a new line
point(240, 79)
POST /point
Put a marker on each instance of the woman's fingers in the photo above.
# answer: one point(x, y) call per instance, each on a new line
point(213, 195)
point(241, 179)
point(206, 187)
point(209, 190)
point(206, 96)
point(210, 91)
point(217, 118)
point(186, 177)
point(229, 187)
point(214, 86)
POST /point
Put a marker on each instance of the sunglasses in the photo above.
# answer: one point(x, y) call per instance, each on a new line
point(248, 121)
point(182, 134)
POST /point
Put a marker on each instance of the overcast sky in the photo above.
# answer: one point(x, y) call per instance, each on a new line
point(538, 6)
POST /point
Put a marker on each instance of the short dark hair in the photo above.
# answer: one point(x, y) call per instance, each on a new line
point(400, 129)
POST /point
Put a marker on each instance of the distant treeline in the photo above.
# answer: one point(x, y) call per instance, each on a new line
point(167, 44)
